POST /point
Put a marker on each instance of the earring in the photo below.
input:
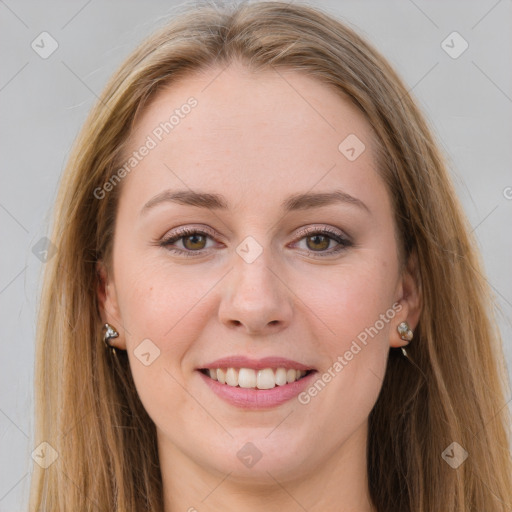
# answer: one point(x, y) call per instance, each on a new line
point(405, 333)
point(109, 333)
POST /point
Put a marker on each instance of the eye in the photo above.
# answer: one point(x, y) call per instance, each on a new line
point(192, 239)
point(318, 240)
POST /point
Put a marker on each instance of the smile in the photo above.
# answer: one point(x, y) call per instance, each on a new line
point(256, 383)
point(249, 378)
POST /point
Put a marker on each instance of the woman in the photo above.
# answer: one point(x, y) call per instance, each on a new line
point(266, 296)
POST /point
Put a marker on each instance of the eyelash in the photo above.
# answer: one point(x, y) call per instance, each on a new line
point(184, 232)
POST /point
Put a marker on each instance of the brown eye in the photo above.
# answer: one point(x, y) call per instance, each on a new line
point(194, 242)
point(318, 242)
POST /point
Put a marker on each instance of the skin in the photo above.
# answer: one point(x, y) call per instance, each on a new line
point(257, 138)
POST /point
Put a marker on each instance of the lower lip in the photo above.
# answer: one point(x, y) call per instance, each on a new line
point(249, 398)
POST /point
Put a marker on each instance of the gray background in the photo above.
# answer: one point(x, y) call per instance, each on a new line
point(43, 103)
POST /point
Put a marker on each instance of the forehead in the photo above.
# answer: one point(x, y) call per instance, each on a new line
point(248, 133)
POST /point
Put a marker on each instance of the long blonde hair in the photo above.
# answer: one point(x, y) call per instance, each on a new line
point(87, 407)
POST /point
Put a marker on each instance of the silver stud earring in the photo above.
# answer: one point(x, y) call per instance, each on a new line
point(405, 333)
point(109, 333)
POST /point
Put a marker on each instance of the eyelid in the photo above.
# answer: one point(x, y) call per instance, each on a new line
point(303, 232)
point(335, 234)
point(190, 229)
point(327, 229)
point(343, 241)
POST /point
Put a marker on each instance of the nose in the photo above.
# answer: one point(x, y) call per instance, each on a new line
point(255, 298)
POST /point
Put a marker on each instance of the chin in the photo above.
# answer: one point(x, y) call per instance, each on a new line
point(261, 460)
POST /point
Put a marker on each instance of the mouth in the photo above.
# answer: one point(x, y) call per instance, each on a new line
point(260, 379)
point(249, 383)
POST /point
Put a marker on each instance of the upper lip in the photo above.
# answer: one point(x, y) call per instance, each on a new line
point(256, 364)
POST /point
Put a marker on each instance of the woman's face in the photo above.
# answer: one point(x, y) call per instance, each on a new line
point(290, 264)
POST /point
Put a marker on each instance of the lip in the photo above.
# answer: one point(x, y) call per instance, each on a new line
point(256, 364)
point(247, 398)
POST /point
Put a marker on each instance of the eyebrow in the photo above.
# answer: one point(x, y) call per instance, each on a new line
point(302, 201)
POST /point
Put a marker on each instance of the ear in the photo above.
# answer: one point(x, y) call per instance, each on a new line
point(108, 305)
point(409, 297)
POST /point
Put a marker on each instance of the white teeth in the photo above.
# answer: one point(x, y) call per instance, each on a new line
point(266, 378)
point(280, 376)
point(247, 378)
point(232, 377)
point(291, 375)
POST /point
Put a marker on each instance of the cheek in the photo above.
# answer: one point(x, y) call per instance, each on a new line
point(357, 304)
point(357, 307)
point(171, 307)
point(160, 304)
point(168, 310)
point(352, 300)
